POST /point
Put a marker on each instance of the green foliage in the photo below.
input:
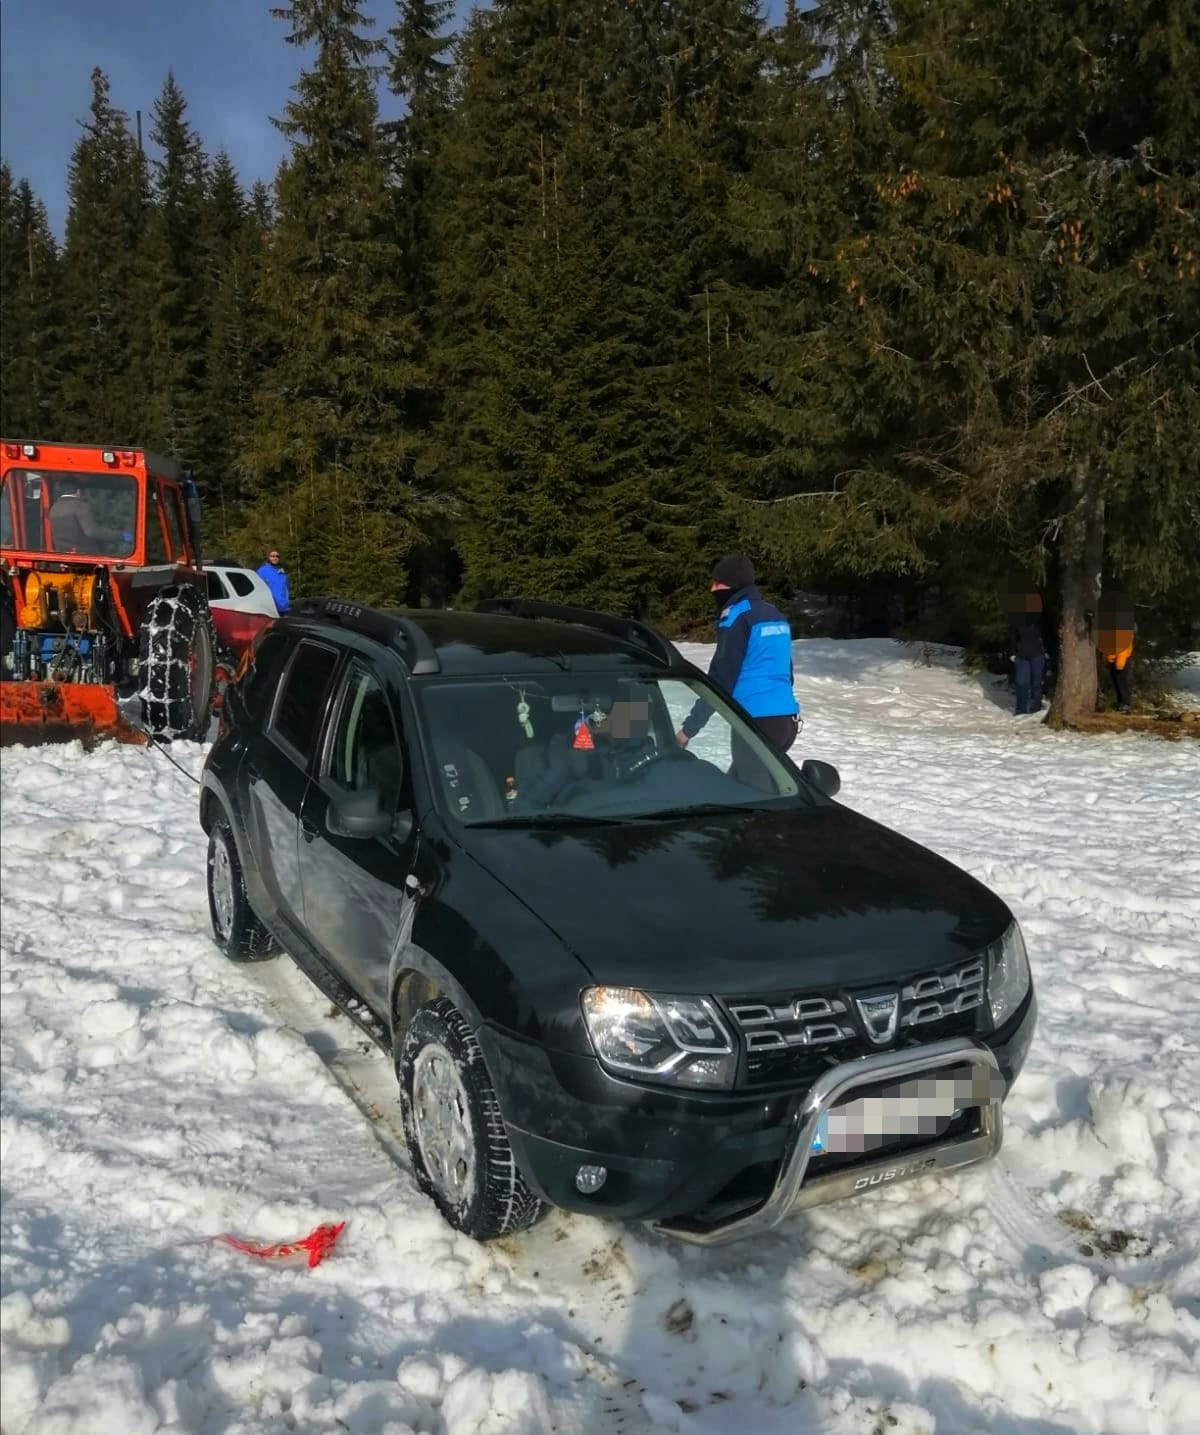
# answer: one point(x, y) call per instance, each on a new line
point(330, 432)
point(30, 314)
point(107, 192)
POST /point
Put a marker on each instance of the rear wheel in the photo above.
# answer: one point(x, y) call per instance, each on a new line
point(176, 653)
point(236, 930)
point(459, 1148)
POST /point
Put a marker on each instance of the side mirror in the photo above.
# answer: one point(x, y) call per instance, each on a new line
point(358, 814)
point(821, 776)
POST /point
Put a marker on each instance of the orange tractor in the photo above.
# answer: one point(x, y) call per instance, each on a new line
point(105, 628)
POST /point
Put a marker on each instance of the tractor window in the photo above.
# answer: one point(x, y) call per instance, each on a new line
point(8, 537)
point(156, 550)
point(169, 497)
point(91, 513)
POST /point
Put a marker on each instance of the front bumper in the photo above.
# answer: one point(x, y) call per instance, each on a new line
point(712, 1168)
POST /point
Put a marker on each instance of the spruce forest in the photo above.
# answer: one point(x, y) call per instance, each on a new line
point(900, 296)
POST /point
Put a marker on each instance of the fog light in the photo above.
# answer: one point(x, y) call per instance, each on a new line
point(589, 1179)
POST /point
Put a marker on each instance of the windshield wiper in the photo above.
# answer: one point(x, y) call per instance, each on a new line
point(551, 819)
point(696, 809)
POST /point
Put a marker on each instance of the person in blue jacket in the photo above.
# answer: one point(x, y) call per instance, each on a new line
point(275, 577)
point(753, 660)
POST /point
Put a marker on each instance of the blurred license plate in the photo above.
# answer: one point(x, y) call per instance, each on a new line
point(918, 1108)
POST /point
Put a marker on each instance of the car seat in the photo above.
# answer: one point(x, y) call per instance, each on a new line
point(471, 791)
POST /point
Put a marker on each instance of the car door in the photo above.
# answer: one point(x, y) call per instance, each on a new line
point(276, 767)
point(354, 887)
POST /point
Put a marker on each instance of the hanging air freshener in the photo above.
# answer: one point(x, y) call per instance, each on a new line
point(583, 735)
point(523, 716)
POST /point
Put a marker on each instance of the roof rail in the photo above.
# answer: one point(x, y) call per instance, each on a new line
point(402, 634)
point(640, 635)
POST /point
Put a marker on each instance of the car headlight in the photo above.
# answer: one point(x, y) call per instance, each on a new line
point(1008, 975)
point(677, 1040)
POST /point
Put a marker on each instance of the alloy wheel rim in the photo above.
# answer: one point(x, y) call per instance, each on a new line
point(443, 1124)
point(222, 888)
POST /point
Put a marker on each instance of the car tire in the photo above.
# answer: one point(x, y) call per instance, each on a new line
point(177, 664)
point(456, 1138)
point(236, 930)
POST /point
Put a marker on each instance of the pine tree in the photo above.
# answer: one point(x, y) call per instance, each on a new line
point(1009, 328)
point(107, 197)
point(421, 76)
point(331, 432)
point(586, 158)
point(173, 288)
point(30, 314)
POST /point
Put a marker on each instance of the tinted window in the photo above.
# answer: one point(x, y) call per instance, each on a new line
point(156, 551)
point(258, 681)
point(170, 503)
point(366, 751)
point(241, 584)
point(216, 589)
point(302, 702)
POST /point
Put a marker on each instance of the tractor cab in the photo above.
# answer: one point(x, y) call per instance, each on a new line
point(102, 594)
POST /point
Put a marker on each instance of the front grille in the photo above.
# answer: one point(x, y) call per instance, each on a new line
point(792, 1038)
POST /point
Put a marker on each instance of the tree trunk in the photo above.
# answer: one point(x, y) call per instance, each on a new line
point(1081, 558)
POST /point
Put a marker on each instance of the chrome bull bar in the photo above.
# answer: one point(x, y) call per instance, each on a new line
point(792, 1191)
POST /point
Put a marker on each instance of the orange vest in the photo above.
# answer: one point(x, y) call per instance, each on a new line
point(1120, 657)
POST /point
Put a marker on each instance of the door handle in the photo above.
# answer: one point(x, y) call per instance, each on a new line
point(308, 831)
point(252, 774)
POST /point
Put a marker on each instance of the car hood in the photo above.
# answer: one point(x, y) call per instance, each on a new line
point(742, 903)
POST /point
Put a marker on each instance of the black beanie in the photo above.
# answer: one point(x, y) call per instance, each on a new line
point(735, 569)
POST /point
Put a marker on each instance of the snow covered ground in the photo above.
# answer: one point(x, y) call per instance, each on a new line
point(154, 1095)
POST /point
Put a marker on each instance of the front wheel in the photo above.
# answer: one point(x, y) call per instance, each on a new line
point(459, 1148)
point(176, 653)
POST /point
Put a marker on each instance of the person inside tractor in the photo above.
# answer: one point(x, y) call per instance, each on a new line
point(76, 527)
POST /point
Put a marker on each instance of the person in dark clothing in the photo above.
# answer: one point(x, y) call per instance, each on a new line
point(1115, 644)
point(1027, 650)
point(753, 658)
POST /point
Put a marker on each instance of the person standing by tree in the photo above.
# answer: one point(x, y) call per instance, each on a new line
point(275, 577)
point(1115, 643)
point(1027, 649)
point(753, 660)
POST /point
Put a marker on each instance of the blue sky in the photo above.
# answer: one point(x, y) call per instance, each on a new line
point(228, 56)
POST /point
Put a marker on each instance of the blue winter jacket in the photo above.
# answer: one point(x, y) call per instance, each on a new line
point(753, 660)
point(276, 580)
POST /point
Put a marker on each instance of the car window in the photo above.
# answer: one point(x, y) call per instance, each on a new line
point(301, 704)
point(241, 583)
point(216, 588)
point(258, 681)
point(365, 753)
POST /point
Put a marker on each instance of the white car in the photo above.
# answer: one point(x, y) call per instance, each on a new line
point(240, 589)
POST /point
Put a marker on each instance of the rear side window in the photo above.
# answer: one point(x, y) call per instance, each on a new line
point(241, 584)
point(258, 681)
point(301, 704)
point(216, 589)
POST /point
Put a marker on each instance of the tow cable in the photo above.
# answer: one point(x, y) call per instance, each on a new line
point(153, 742)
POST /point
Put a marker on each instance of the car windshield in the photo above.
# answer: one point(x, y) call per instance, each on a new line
point(590, 747)
point(54, 512)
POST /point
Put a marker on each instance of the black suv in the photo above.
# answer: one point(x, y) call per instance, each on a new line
point(671, 984)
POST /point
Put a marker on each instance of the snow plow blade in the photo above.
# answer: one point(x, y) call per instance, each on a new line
point(36, 713)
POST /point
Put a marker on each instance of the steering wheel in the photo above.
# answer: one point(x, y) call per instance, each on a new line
point(643, 765)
